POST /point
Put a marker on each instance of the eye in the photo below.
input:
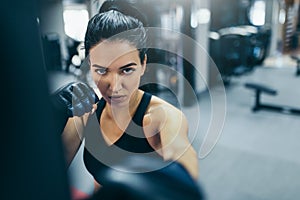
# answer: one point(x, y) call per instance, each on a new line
point(128, 70)
point(101, 71)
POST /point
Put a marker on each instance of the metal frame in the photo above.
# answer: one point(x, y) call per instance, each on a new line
point(298, 64)
point(259, 89)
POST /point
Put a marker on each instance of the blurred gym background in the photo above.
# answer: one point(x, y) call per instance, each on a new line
point(249, 41)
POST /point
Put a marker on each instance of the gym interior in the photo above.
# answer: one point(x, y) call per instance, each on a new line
point(232, 67)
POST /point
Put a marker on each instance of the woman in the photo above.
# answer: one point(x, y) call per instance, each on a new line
point(126, 119)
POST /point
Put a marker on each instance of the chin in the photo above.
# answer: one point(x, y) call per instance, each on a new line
point(118, 101)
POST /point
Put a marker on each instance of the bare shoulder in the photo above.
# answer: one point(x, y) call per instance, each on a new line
point(157, 105)
point(171, 126)
point(165, 115)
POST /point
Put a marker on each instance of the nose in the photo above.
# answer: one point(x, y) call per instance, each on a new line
point(115, 82)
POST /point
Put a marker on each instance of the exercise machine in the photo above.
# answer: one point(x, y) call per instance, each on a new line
point(297, 59)
point(263, 89)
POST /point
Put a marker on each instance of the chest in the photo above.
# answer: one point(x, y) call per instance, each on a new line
point(114, 130)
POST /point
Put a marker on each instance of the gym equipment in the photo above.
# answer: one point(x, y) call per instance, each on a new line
point(52, 51)
point(72, 46)
point(73, 99)
point(33, 166)
point(259, 89)
point(297, 59)
point(238, 50)
point(171, 182)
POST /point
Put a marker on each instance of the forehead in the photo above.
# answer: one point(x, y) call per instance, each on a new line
point(107, 52)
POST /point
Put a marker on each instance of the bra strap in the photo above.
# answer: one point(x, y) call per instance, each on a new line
point(141, 110)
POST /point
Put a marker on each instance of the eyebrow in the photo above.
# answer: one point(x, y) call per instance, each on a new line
point(124, 66)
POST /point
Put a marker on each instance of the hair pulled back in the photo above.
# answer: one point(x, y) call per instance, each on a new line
point(117, 20)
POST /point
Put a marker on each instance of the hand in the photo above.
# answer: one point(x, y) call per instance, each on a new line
point(74, 99)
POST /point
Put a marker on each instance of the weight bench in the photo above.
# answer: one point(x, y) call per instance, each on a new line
point(259, 89)
point(298, 64)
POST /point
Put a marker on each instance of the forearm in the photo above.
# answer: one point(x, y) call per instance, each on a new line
point(72, 138)
point(190, 161)
point(186, 156)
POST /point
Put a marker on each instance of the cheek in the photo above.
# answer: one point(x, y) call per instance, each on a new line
point(95, 77)
point(132, 82)
point(99, 81)
point(102, 87)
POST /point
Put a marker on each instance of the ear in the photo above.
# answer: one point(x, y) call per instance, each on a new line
point(144, 65)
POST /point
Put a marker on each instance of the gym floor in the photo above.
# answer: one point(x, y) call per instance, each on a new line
point(257, 155)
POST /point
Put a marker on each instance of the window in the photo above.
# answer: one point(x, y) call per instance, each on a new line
point(257, 13)
point(76, 21)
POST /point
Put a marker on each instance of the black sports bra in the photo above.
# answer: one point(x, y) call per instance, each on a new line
point(98, 155)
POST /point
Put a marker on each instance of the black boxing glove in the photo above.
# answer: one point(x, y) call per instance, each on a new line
point(137, 177)
point(73, 99)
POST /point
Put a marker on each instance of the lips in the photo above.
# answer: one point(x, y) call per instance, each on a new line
point(117, 98)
